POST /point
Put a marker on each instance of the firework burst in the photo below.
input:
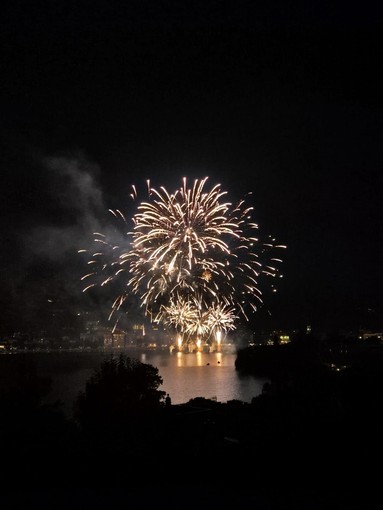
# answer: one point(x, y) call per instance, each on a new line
point(192, 258)
point(190, 319)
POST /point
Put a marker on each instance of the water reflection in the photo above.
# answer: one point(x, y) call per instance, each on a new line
point(185, 375)
point(200, 359)
point(189, 375)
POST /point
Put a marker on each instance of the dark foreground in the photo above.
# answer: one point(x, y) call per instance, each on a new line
point(312, 440)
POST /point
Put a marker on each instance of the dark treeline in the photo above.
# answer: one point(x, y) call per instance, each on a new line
point(312, 439)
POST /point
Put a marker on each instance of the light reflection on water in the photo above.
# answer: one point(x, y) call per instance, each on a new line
point(209, 375)
point(185, 375)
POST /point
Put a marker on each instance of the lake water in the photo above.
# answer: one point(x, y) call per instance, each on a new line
point(185, 375)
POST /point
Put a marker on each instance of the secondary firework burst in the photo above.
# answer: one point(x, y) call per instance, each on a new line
point(192, 258)
point(191, 320)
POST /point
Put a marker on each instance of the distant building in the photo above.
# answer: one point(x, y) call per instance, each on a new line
point(115, 339)
point(367, 335)
point(278, 338)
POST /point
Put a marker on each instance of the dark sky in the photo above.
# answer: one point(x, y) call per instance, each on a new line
point(282, 98)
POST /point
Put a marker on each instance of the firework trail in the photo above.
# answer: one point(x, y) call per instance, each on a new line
point(193, 259)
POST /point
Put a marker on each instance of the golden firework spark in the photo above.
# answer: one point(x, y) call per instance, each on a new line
point(193, 259)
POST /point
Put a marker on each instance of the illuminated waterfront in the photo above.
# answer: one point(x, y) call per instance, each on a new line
point(185, 376)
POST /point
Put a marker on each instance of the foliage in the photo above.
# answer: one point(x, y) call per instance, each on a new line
point(120, 391)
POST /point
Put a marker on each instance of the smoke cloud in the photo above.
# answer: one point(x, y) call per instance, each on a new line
point(61, 221)
point(79, 205)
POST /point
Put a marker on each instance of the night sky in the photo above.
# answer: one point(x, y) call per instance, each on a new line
point(283, 99)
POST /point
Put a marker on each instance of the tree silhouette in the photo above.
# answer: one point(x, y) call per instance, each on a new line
point(121, 391)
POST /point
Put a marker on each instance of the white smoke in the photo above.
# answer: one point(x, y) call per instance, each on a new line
point(79, 205)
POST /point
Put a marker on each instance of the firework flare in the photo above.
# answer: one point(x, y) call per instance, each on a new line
point(193, 259)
